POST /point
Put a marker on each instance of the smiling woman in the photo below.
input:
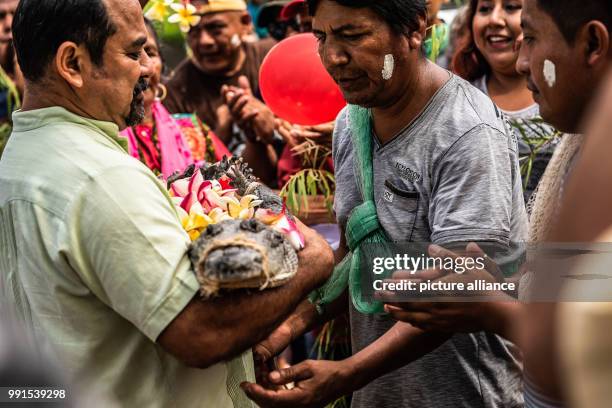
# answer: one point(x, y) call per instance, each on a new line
point(487, 58)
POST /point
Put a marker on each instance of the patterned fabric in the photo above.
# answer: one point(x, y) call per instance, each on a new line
point(204, 144)
point(173, 143)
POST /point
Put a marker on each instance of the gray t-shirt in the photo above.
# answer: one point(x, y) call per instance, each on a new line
point(451, 175)
point(532, 135)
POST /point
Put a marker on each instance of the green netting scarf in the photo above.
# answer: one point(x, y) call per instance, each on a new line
point(362, 226)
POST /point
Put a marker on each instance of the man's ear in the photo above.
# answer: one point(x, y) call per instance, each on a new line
point(417, 37)
point(595, 39)
point(69, 61)
point(245, 18)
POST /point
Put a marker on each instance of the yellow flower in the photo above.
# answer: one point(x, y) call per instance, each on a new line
point(243, 209)
point(217, 215)
point(158, 10)
point(185, 16)
point(196, 221)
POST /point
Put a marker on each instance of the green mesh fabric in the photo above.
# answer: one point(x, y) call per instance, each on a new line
point(362, 227)
point(238, 371)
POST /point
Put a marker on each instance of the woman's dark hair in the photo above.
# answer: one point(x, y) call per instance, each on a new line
point(41, 26)
point(468, 62)
point(401, 15)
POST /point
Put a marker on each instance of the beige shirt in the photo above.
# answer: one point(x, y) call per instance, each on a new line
point(93, 261)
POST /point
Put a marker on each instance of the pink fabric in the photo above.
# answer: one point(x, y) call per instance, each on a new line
point(174, 151)
point(173, 148)
point(132, 143)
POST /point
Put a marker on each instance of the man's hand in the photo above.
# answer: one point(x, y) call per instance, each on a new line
point(455, 317)
point(276, 342)
point(248, 112)
point(293, 135)
point(445, 317)
point(317, 383)
point(315, 248)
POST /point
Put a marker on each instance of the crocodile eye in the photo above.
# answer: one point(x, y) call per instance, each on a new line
point(276, 239)
point(252, 225)
point(213, 230)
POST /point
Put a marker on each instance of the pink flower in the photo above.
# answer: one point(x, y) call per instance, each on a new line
point(283, 224)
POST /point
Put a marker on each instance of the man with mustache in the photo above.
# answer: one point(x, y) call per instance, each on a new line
point(444, 169)
point(93, 259)
point(220, 82)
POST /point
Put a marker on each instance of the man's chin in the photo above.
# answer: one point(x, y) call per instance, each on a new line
point(212, 68)
point(359, 99)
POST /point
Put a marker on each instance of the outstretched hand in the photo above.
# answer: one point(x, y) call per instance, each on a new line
point(451, 317)
point(315, 384)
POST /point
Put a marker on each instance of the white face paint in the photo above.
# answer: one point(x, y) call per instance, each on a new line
point(550, 73)
point(235, 41)
point(388, 67)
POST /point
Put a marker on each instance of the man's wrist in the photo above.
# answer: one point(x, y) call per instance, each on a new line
point(352, 374)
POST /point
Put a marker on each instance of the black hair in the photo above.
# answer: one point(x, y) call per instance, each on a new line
point(571, 15)
point(41, 26)
point(401, 15)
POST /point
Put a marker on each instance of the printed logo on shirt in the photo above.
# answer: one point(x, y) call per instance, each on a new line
point(388, 196)
point(407, 173)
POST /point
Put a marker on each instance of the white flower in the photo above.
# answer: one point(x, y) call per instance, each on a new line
point(185, 16)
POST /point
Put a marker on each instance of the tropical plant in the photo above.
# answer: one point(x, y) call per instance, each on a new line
point(538, 136)
point(313, 180)
point(333, 343)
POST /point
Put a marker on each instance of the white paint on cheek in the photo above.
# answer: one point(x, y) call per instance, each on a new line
point(388, 67)
point(550, 73)
point(235, 41)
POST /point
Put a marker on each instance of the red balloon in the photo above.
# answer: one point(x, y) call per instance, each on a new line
point(295, 85)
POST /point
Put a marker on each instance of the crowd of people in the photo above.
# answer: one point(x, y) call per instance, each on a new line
point(487, 130)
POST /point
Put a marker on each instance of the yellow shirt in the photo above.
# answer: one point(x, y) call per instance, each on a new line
point(93, 261)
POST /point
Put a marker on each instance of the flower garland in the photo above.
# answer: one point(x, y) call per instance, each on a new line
point(201, 203)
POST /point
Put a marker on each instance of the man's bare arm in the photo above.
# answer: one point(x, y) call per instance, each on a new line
point(304, 318)
point(401, 345)
point(209, 331)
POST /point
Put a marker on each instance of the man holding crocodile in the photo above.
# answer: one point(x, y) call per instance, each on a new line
point(93, 257)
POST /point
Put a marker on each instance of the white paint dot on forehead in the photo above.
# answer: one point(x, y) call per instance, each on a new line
point(235, 40)
point(550, 73)
point(388, 67)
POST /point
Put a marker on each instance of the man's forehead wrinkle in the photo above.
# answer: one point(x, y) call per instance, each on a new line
point(346, 27)
point(338, 28)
